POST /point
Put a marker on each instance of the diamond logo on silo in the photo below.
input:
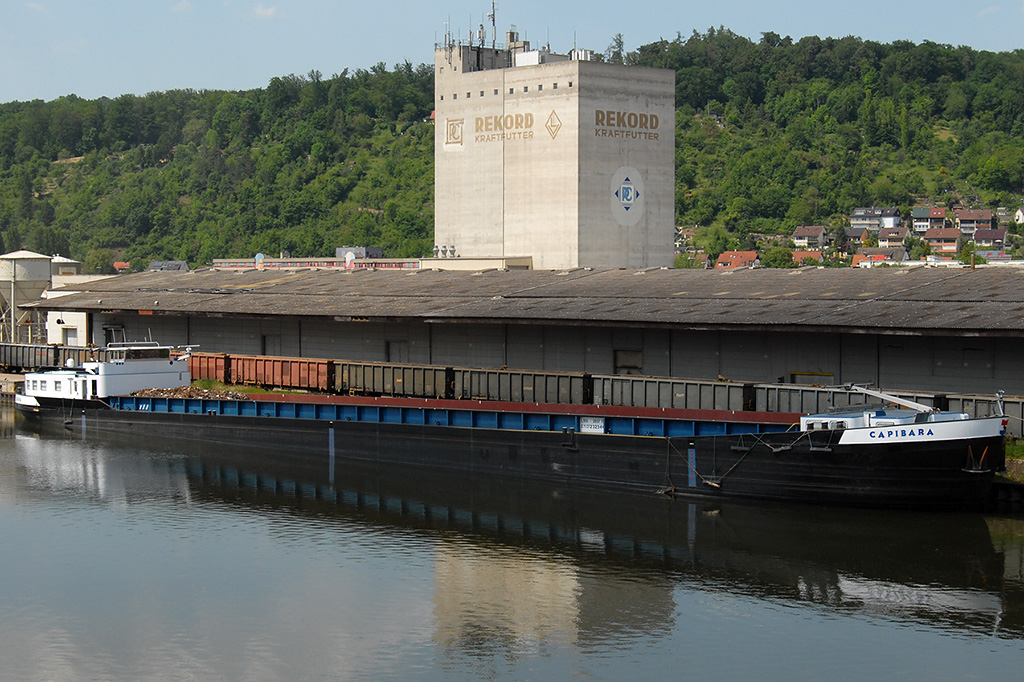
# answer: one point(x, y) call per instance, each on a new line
point(627, 196)
point(554, 124)
point(627, 193)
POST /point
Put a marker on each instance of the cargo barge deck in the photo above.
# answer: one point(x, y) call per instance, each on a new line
point(695, 453)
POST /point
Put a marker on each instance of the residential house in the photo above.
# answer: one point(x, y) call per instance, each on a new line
point(730, 260)
point(926, 217)
point(684, 236)
point(1018, 217)
point(874, 218)
point(995, 256)
point(869, 256)
point(944, 241)
point(800, 256)
point(889, 237)
point(810, 236)
point(968, 220)
point(990, 239)
point(855, 237)
point(863, 260)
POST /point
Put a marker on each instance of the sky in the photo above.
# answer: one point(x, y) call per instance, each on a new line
point(105, 48)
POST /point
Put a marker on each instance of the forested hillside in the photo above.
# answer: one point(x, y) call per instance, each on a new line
point(776, 134)
point(304, 165)
point(770, 135)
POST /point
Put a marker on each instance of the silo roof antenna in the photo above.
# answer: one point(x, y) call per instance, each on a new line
point(494, 28)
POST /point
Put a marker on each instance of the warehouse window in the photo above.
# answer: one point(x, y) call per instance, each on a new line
point(554, 86)
point(495, 91)
point(511, 91)
point(455, 95)
point(481, 93)
point(540, 87)
point(629, 361)
point(468, 95)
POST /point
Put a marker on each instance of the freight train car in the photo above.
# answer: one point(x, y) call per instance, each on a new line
point(20, 357)
point(304, 374)
point(346, 377)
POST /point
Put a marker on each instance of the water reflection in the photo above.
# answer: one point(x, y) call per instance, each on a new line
point(526, 567)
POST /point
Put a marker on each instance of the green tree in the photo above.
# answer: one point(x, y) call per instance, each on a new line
point(777, 257)
point(99, 262)
point(615, 54)
point(968, 255)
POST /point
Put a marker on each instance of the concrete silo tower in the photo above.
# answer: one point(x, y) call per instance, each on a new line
point(24, 276)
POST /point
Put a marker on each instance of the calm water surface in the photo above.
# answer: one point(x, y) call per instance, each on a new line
point(123, 560)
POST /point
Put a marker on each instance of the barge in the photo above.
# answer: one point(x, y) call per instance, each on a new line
point(897, 453)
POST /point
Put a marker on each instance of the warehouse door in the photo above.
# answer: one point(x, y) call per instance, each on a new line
point(271, 345)
point(396, 351)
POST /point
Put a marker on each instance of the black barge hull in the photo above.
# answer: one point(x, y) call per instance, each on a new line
point(786, 466)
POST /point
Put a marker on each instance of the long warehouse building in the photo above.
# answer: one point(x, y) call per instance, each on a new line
point(928, 329)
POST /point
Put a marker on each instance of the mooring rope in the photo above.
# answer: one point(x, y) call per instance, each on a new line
point(668, 456)
point(717, 482)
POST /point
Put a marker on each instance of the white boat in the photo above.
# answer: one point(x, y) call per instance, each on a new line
point(129, 367)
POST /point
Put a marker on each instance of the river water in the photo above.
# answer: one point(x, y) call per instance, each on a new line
point(129, 560)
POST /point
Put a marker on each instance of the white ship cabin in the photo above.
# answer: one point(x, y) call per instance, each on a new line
point(871, 418)
point(131, 367)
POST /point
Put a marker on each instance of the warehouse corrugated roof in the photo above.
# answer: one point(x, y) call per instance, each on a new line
point(897, 300)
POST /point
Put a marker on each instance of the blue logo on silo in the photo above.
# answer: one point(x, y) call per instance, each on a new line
point(627, 193)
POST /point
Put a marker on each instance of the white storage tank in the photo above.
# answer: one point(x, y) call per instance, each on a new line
point(24, 276)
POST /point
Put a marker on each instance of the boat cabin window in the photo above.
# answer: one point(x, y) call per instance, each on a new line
point(839, 425)
point(42, 385)
point(147, 353)
point(94, 391)
point(56, 385)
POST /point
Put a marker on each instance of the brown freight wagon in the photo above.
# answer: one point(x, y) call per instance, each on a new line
point(212, 366)
point(310, 374)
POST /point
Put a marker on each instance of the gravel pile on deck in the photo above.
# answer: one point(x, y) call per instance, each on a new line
point(190, 392)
